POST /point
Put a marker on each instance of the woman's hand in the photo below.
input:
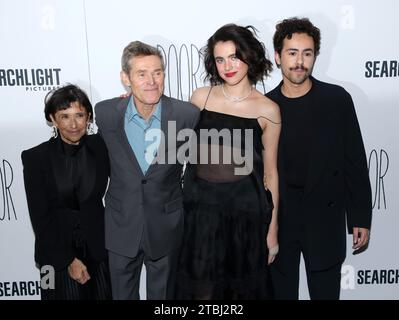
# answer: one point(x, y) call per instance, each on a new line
point(78, 271)
point(272, 244)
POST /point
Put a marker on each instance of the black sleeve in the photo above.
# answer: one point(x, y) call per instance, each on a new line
point(52, 227)
point(357, 182)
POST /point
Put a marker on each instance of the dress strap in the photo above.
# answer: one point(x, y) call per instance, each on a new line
point(268, 120)
point(207, 97)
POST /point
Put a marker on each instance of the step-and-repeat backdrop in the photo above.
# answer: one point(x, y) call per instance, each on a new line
point(45, 44)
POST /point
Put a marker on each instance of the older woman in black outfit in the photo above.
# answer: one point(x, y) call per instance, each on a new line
point(65, 180)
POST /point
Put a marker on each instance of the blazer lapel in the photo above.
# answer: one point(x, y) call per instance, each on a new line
point(89, 169)
point(121, 134)
point(161, 156)
point(321, 142)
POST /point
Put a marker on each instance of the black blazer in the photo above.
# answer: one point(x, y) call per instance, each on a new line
point(338, 186)
point(49, 197)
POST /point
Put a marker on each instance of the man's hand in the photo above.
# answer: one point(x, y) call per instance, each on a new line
point(361, 237)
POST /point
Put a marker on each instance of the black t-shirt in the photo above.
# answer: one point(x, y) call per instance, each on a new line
point(296, 135)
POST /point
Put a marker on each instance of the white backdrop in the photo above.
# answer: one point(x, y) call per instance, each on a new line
point(47, 43)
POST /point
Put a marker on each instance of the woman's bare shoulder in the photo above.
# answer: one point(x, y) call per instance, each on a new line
point(199, 96)
point(266, 108)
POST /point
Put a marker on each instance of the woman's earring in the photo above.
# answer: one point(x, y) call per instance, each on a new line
point(54, 132)
point(90, 128)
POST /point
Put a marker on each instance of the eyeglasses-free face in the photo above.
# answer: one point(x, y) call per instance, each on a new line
point(71, 122)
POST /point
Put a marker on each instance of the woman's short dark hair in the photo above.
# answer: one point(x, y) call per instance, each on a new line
point(248, 49)
point(287, 27)
point(61, 99)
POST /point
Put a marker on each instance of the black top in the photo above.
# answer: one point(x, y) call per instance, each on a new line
point(236, 154)
point(75, 160)
point(297, 116)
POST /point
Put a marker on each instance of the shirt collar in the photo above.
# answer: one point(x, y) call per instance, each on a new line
point(132, 111)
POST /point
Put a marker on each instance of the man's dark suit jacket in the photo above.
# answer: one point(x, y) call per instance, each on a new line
point(338, 189)
point(49, 197)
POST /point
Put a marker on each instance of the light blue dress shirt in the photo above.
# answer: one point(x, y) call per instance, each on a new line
point(136, 128)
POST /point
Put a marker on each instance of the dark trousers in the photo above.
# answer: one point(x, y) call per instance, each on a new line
point(322, 284)
point(65, 288)
point(126, 271)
